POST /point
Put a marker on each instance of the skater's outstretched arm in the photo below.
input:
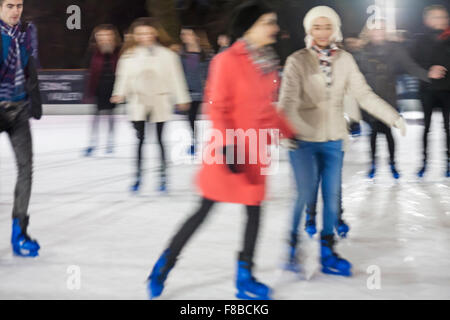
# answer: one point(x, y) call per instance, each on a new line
point(367, 99)
point(121, 84)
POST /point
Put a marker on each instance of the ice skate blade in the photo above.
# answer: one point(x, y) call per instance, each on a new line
point(163, 190)
point(151, 293)
point(135, 189)
point(421, 174)
point(326, 270)
point(29, 254)
point(343, 233)
point(311, 232)
point(153, 296)
point(295, 270)
point(289, 267)
point(244, 296)
point(88, 152)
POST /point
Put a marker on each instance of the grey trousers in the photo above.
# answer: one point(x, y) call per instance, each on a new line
point(20, 137)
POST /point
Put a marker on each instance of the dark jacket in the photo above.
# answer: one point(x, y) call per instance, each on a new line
point(101, 77)
point(441, 57)
point(429, 50)
point(195, 77)
point(381, 64)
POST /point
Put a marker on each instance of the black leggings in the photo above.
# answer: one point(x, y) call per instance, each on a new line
point(193, 223)
point(431, 99)
point(380, 127)
point(140, 133)
point(193, 113)
point(109, 113)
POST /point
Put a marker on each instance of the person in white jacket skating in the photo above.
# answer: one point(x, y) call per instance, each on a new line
point(150, 79)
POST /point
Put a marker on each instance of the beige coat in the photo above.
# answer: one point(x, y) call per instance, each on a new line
point(317, 112)
point(152, 82)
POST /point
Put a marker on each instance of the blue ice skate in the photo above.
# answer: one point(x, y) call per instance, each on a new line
point(421, 172)
point(158, 276)
point(373, 170)
point(89, 151)
point(136, 187)
point(310, 225)
point(22, 244)
point(248, 287)
point(331, 262)
point(163, 183)
point(394, 171)
point(292, 264)
point(342, 229)
point(191, 150)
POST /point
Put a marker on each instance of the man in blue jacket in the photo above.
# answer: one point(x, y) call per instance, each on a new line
point(19, 100)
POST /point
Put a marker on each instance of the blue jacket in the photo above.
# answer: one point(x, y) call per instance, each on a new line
point(30, 64)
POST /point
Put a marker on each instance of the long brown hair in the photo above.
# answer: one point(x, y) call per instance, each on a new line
point(105, 27)
point(203, 42)
point(163, 37)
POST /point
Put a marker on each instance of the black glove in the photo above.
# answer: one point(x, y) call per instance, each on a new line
point(4, 123)
point(231, 158)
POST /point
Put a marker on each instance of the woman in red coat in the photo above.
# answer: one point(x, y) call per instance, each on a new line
point(241, 89)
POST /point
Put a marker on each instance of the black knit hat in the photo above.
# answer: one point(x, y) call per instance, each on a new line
point(245, 15)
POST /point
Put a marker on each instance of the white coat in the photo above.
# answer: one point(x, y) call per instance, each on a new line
point(152, 81)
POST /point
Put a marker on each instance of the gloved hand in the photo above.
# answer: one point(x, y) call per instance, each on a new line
point(4, 123)
point(231, 158)
point(290, 144)
point(401, 125)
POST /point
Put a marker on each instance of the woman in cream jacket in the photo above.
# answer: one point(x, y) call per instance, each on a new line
point(150, 79)
point(315, 81)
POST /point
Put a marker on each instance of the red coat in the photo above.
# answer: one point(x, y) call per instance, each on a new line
point(239, 96)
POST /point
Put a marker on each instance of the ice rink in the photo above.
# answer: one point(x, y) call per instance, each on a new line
point(93, 230)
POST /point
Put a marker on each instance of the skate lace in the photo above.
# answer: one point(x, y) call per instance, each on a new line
point(26, 237)
point(310, 223)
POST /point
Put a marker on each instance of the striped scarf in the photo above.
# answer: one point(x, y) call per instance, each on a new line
point(265, 58)
point(12, 75)
point(326, 60)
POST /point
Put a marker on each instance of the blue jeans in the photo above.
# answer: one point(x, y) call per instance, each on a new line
point(314, 163)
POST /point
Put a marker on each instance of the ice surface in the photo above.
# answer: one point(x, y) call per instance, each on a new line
point(83, 215)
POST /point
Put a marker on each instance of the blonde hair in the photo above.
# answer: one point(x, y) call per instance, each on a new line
point(163, 37)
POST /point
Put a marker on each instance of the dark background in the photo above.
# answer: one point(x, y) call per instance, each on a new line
point(63, 48)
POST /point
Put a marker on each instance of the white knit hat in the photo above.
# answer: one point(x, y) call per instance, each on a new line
point(318, 12)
